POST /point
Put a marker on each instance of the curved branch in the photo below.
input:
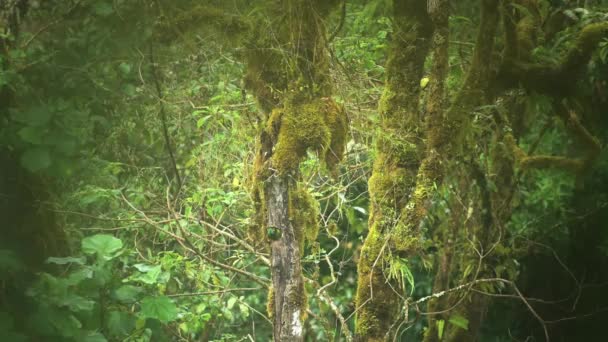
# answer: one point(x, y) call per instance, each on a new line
point(555, 79)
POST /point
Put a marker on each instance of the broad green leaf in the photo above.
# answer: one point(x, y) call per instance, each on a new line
point(120, 323)
point(31, 134)
point(78, 276)
point(231, 302)
point(105, 246)
point(77, 303)
point(36, 159)
point(160, 308)
point(127, 293)
point(36, 116)
point(67, 325)
point(149, 275)
point(459, 321)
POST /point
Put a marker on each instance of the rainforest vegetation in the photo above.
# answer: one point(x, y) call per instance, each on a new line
point(303, 170)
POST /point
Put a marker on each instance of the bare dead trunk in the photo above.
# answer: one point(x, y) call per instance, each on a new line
point(287, 282)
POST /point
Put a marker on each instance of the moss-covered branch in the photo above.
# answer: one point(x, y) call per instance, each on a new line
point(555, 79)
point(574, 165)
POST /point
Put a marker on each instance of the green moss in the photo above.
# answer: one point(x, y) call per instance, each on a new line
point(393, 179)
point(299, 298)
point(374, 320)
point(545, 162)
point(319, 125)
point(304, 215)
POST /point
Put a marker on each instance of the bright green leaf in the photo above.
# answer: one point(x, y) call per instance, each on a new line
point(440, 326)
point(231, 303)
point(161, 308)
point(150, 274)
point(105, 246)
point(459, 321)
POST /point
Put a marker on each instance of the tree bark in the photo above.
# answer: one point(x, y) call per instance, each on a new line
point(288, 285)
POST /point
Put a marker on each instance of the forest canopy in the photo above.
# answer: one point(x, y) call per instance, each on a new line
point(303, 170)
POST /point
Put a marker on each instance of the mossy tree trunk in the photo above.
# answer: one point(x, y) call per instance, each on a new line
point(284, 50)
point(295, 96)
point(394, 173)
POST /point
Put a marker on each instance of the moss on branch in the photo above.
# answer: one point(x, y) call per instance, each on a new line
point(559, 79)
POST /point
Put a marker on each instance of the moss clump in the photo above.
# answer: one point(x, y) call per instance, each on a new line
point(546, 162)
point(375, 319)
point(304, 214)
point(298, 297)
point(390, 186)
point(319, 125)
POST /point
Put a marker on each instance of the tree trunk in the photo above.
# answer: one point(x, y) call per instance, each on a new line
point(287, 282)
point(394, 173)
point(302, 118)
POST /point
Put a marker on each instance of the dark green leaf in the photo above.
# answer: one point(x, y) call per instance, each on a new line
point(35, 159)
point(120, 323)
point(127, 293)
point(32, 134)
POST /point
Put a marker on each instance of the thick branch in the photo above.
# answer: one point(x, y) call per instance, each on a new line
point(555, 79)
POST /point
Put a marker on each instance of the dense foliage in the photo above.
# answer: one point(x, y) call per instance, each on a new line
point(388, 170)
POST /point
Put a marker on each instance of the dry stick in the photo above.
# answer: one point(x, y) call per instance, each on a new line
point(235, 238)
point(206, 293)
point(186, 244)
point(185, 233)
point(409, 303)
point(49, 25)
point(341, 24)
point(322, 294)
point(163, 118)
